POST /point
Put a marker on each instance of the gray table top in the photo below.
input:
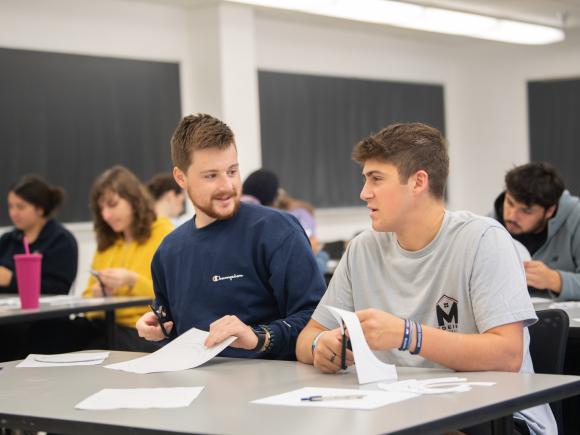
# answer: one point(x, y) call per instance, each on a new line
point(44, 399)
point(58, 306)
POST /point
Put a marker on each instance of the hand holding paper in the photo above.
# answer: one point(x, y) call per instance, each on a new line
point(368, 367)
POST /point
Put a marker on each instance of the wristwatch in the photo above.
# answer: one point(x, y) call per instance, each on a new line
point(261, 334)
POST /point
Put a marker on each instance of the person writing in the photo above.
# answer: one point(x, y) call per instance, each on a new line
point(235, 269)
point(539, 213)
point(31, 205)
point(431, 287)
point(128, 234)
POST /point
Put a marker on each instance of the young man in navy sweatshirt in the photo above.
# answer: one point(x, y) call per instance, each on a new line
point(235, 269)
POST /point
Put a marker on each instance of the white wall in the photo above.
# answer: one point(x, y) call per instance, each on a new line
point(219, 48)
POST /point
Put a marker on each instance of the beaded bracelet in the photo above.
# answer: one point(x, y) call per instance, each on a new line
point(270, 334)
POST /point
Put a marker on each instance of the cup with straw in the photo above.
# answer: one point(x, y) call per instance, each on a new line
point(28, 276)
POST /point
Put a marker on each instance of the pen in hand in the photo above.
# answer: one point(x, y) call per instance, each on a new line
point(160, 319)
point(101, 284)
point(322, 398)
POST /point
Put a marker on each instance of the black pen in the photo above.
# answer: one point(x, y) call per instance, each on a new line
point(158, 314)
point(343, 349)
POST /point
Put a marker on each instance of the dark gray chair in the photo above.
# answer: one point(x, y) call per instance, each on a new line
point(548, 339)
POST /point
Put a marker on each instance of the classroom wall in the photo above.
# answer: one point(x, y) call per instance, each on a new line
point(219, 48)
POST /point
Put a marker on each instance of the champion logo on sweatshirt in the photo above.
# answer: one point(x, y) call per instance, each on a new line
point(217, 278)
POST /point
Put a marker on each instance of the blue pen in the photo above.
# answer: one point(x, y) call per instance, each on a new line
point(322, 398)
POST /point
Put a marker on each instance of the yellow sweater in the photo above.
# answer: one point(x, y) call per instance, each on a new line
point(136, 258)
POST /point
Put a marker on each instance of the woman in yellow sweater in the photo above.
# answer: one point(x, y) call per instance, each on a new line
point(128, 235)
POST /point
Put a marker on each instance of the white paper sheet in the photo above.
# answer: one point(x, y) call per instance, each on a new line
point(372, 398)
point(140, 398)
point(64, 359)
point(368, 367)
point(185, 352)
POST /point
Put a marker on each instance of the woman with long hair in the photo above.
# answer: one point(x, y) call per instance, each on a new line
point(128, 234)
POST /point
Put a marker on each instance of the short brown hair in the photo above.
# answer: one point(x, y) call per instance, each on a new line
point(411, 147)
point(124, 183)
point(198, 132)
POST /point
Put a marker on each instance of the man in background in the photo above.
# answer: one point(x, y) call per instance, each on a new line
point(545, 218)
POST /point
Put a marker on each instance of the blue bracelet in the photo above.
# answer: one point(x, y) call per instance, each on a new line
point(405, 343)
point(315, 341)
point(419, 339)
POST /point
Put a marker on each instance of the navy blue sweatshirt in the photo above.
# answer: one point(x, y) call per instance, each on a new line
point(59, 257)
point(258, 266)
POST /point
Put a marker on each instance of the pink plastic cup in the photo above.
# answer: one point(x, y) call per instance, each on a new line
point(28, 268)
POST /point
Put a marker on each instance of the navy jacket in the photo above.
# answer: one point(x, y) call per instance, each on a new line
point(258, 265)
point(59, 257)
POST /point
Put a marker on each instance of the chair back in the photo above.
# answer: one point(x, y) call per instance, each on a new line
point(548, 339)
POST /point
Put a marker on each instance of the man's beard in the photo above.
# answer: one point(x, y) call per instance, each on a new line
point(209, 210)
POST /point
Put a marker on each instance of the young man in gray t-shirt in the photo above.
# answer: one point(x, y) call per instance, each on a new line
point(454, 275)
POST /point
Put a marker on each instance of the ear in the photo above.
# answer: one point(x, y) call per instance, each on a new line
point(550, 211)
point(420, 181)
point(180, 177)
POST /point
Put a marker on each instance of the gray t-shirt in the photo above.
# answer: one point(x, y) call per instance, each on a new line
point(469, 279)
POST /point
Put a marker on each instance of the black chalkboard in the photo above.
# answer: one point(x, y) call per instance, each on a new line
point(69, 117)
point(310, 124)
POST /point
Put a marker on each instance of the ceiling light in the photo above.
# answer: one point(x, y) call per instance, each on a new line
point(418, 17)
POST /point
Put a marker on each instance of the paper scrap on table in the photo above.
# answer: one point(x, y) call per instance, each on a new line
point(64, 359)
point(368, 367)
point(185, 352)
point(433, 386)
point(140, 398)
point(372, 398)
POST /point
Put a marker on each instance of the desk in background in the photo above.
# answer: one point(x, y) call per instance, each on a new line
point(44, 399)
point(52, 307)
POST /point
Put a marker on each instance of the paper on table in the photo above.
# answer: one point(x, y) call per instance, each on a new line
point(368, 367)
point(372, 398)
point(64, 359)
point(140, 398)
point(433, 386)
point(185, 352)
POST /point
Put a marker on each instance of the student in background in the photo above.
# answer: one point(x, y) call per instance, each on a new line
point(235, 269)
point(168, 196)
point(262, 187)
point(31, 206)
point(128, 234)
point(538, 212)
point(431, 287)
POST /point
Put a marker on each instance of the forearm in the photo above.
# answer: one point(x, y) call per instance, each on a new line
point(570, 289)
point(472, 352)
point(305, 339)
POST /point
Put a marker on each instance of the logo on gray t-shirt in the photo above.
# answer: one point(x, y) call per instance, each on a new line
point(447, 314)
